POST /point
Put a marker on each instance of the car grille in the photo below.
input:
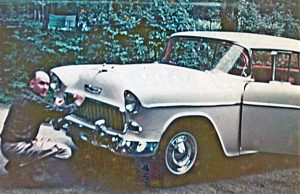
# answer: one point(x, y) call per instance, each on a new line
point(92, 110)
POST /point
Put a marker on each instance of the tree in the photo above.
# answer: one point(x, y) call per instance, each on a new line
point(229, 15)
point(271, 17)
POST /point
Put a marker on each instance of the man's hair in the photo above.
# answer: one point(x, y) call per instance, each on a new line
point(32, 75)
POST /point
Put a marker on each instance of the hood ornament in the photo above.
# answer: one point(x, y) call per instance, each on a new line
point(102, 71)
point(92, 89)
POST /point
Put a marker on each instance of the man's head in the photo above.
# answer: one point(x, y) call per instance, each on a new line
point(40, 83)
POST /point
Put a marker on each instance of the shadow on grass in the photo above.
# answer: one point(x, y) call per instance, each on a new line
point(101, 168)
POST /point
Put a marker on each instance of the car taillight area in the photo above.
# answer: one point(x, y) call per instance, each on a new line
point(92, 110)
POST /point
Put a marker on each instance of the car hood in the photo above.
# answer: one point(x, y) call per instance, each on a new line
point(154, 84)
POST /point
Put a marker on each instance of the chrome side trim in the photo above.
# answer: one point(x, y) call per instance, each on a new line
point(206, 104)
point(248, 152)
point(270, 105)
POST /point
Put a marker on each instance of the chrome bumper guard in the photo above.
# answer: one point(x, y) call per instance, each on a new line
point(100, 135)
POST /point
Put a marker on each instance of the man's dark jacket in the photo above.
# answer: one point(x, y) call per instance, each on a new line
point(26, 114)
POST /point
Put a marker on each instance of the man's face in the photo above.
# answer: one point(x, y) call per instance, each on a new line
point(40, 84)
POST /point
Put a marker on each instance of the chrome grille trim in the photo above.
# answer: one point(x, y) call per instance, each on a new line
point(92, 110)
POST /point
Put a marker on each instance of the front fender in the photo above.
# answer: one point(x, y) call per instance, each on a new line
point(198, 115)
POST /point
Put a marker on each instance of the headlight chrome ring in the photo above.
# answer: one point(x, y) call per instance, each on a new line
point(132, 103)
point(55, 84)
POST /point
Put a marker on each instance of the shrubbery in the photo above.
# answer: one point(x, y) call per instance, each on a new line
point(273, 17)
point(120, 33)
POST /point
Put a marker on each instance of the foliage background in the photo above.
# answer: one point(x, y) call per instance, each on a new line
point(120, 31)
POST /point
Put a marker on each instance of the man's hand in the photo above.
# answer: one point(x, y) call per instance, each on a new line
point(79, 99)
point(59, 102)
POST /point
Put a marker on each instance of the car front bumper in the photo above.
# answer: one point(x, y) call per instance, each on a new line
point(99, 135)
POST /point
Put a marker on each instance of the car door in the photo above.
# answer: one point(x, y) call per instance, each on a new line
point(271, 106)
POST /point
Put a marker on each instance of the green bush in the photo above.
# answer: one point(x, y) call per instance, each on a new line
point(116, 32)
point(273, 17)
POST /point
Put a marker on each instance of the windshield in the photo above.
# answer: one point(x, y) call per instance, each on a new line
point(206, 54)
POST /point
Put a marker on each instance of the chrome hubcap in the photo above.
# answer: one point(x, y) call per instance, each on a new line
point(181, 153)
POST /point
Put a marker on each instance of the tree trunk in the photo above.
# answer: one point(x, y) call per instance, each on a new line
point(229, 15)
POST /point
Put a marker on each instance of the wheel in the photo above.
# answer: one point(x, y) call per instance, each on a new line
point(189, 150)
point(181, 153)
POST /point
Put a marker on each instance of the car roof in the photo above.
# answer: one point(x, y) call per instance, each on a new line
point(248, 40)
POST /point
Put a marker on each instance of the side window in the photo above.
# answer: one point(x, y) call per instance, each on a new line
point(294, 71)
point(241, 65)
point(286, 66)
point(262, 66)
point(295, 63)
point(282, 67)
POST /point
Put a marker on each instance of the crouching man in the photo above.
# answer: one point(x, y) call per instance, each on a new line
point(19, 143)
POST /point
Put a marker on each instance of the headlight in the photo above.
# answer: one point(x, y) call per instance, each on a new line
point(55, 84)
point(132, 104)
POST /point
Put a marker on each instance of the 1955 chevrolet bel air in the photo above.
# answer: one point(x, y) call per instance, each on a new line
point(246, 86)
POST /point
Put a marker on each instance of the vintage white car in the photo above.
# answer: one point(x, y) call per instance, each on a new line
point(245, 86)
